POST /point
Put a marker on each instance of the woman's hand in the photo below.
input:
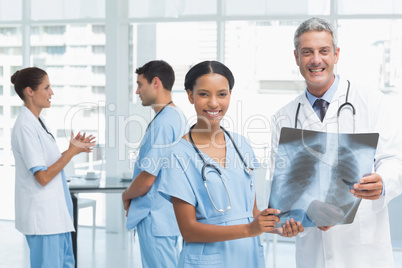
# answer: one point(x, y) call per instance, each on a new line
point(264, 222)
point(290, 229)
point(81, 143)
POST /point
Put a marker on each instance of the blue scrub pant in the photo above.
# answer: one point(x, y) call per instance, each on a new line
point(51, 251)
point(157, 251)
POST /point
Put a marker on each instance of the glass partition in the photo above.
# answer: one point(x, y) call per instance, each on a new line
point(67, 9)
point(73, 57)
point(10, 10)
point(369, 7)
point(374, 57)
point(171, 8)
point(272, 7)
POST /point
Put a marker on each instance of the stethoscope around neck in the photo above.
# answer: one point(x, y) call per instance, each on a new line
point(346, 103)
point(206, 165)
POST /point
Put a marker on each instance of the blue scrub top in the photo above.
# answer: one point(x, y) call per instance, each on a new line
point(166, 130)
point(183, 180)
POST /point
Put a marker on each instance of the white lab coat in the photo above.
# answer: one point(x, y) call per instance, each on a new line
point(366, 242)
point(39, 210)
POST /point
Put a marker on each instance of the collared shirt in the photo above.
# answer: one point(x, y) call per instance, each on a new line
point(327, 96)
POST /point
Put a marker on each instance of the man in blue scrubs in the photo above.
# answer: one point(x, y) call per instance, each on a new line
point(146, 209)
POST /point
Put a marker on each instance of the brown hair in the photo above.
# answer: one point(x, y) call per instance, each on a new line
point(29, 77)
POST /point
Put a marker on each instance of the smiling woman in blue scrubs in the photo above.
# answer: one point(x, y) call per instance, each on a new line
point(43, 206)
point(219, 221)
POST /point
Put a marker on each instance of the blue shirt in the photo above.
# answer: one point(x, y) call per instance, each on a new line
point(164, 131)
point(183, 180)
point(327, 96)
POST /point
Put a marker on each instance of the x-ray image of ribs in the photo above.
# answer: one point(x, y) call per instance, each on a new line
point(344, 175)
point(297, 178)
point(315, 172)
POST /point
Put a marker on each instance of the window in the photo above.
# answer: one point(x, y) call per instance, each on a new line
point(65, 53)
point(98, 90)
point(8, 31)
point(37, 51)
point(98, 49)
point(13, 69)
point(1, 151)
point(61, 133)
point(249, 43)
point(98, 29)
point(14, 51)
point(10, 10)
point(15, 110)
point(199, 43)
point(12, 91)
point(55, 50)
point(171, 8)
point(54, 30)
point(98, 69)
point(369, 7)
point(272, 7)
point(72, 9)
point(381, 54)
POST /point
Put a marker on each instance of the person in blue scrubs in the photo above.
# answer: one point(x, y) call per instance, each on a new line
point(217, 215)
point(43, 206)
point(146, 209)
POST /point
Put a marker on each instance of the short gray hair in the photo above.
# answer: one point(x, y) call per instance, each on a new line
point(315, 24)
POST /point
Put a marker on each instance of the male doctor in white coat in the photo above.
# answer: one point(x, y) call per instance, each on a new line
point(366, 242)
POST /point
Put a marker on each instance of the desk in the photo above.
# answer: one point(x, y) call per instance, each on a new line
point(81, 185)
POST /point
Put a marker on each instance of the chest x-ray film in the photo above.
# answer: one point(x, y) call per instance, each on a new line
point(314, 172)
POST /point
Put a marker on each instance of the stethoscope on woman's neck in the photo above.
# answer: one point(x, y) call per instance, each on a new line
point(212, 166)
point(346, 103)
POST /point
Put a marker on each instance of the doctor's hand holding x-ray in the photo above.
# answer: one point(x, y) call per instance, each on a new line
point(369, 187)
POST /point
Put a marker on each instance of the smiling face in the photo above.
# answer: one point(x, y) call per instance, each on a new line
point(42, 95)
point(146, 91)
point(316, 57)
point(211, 98)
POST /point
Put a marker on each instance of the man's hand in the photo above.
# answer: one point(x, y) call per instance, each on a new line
point(126, 202)
point(369, 187)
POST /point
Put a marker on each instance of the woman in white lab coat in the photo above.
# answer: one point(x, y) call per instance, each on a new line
point(43, 206)
point(366, 242)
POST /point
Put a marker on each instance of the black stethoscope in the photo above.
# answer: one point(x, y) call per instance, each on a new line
point(346, 103)
point(158, 114)
point(44, 127)
point(212, 166)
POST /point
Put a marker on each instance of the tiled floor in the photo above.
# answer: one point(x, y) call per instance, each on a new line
point(110, 252)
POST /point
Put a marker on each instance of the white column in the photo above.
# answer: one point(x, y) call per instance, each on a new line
point(117, 102)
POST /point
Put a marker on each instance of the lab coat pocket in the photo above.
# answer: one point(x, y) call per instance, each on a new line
point(372, 226)
point(195, 260)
